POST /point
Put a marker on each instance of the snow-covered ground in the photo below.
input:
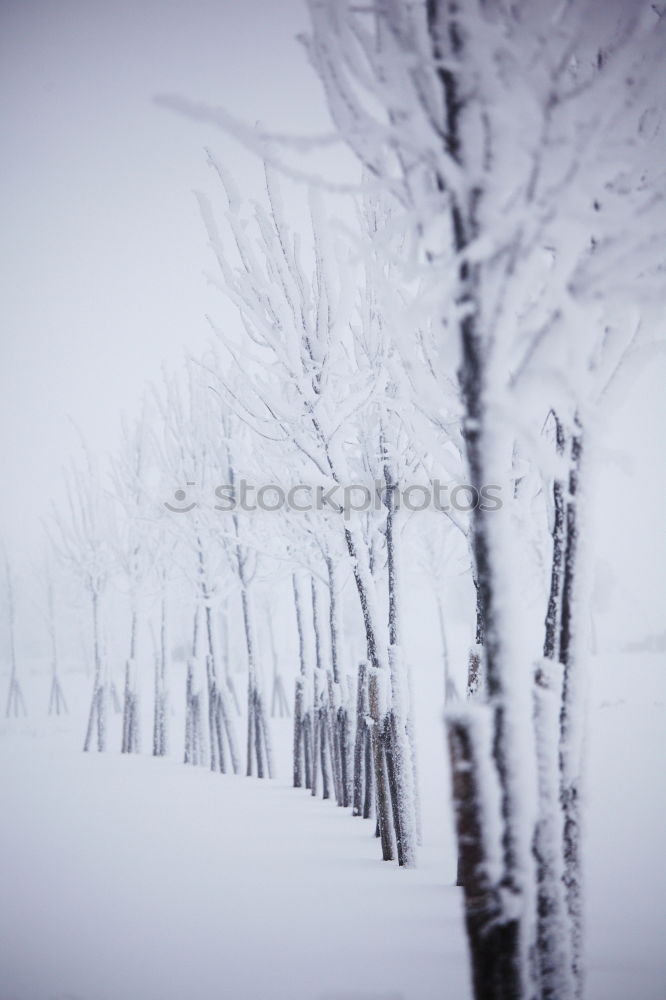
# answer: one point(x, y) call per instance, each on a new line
point(132, 878)
point(140, 879)
point(626, 828)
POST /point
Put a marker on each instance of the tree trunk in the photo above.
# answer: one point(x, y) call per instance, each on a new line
point(369, 796)
point(228, 679)
point(493, 936)
point(97, 713)
point(307, 747)
point(485, 445)
point(220, 725)
point(325, 757)
point(129, 741)
point(57, 703)
point(449, 688)
point(160, 695)
point(381, 782)
point(402, 761)
point(300, 746)
point(553, 937)
point(255, 724)
point(375, 665)
point(551, 645)
point(338, 713)
point(188, 755)
point(399, 758)
point(298, 734)
point(570, 716)
point(315, 739)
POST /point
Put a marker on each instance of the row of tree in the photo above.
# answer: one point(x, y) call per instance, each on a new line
point(513, 159)
point(499, 289)
point(522, 148)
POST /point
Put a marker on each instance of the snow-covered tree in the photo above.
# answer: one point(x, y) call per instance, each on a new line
point(81, 538)
point(303, 387)
point(57, 701)
point(187, 457)
point(136, 548)
point(518, 142)
point(15, 700)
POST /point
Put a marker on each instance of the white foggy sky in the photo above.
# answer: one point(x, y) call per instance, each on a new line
point(102, 251)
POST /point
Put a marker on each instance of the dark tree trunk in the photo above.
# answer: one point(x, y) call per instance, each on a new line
point(495, 933)
point(319, 709)
point(307, 748)
point(368, 797)
point(551, 642)
point(493, 939)
point(381, 783)
point(569, 751)
point(343, 737)
point(333, 737)
point(315, 738)
point(338, 714)
point(474, 673)
point(188, 755)
point(389, 741)
point(325, 757)
point(298, 734)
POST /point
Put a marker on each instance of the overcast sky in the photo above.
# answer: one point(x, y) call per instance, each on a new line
point(102, 250)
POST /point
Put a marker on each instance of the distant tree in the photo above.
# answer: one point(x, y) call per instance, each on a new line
point(136, 549)
point(57, 702)
point(187, 457)
point(15, 700)
point(81, 538)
